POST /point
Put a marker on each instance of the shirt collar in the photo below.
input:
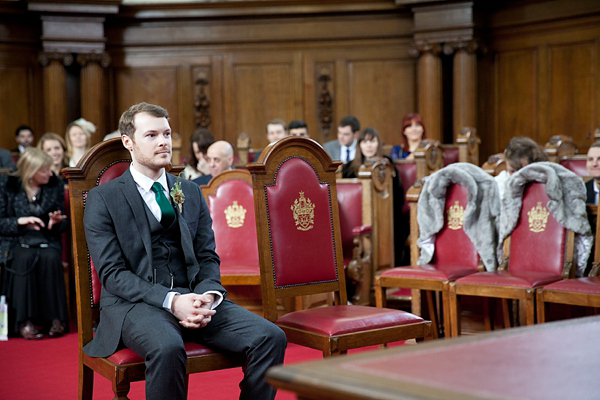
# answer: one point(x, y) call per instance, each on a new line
point(352, 146)
point(146, 183)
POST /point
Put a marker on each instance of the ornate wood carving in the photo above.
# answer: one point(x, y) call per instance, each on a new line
point(102, 59)
point(419, 47)
point(201, 98)
point(470, 46)
point(324, 99)
point(45, 58)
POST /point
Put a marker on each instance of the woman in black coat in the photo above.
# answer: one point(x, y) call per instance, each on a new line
point(31, 222)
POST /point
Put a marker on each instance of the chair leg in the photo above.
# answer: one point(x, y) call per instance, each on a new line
point(121, 389)
point(446, 310)
point(380, 300)
point(505, 313)
point(454, 314)
point(488, 313)
point(432, 314)
point(541, 308)
point(529, 303)
point(86, 382)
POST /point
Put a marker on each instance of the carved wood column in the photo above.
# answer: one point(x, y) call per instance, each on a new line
point(429, 87)
point(55, 91)
point(464, 110)
point(94, 92)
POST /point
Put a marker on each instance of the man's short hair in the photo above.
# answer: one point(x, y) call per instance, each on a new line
point(297, 123)
point(22, 128)
point(126, 125)
point(523, 148)
point(276, 121)
point(351, 121)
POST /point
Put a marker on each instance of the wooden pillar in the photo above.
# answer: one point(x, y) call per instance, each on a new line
point(430, 89)
point(94, 92)
point(465, 88)
point(55, 91)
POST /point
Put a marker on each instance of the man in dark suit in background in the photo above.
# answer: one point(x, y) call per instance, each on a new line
point(6, 160)
point(159, 271)
point(24, 138)
point(593, 167)
point(344, 148)
point(219, 157)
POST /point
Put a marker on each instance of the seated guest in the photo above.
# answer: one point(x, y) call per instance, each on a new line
point(55, 147)
point(220, 158)
point(31, 222)
point(79, 139)
point(6, 160)
point(197, 166)
point(593, 167)
point(298, 128)
point(276, 129)
point(413, 132)
point(368, 152)
point(24, 138)
point(521, 151)
point(344, 148)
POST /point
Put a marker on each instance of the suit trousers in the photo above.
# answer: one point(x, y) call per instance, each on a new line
point(156, 335)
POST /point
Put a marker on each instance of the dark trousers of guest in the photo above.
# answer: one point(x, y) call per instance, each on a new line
point(156, 335)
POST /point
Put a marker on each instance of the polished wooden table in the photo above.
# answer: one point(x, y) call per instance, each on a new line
point(557, 360)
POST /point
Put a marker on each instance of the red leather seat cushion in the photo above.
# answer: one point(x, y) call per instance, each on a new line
point(349, 197)
point(338, 320)
point(505, 278)
point(128, 356)
point(580, 285)
point(428, 271)
point(408, 175)
point(450, 155)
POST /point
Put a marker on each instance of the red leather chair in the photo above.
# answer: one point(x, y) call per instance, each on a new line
point(300, 253)
point(104, 162)
point(577, 164)
point(538, 252)
point(584, 292)
point(455, 256)
point(231, 204)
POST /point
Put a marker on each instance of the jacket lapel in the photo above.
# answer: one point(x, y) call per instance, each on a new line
point(136, 203)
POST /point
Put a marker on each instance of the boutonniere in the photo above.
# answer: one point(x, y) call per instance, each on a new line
point(177, 194)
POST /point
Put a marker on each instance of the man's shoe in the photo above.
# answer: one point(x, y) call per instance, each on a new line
point(57, 329)
point(30, 333)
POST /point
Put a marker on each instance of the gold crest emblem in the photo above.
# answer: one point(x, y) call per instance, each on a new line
point(304, 213)
point(235, 215)
point(538, 218)
point(455, 216)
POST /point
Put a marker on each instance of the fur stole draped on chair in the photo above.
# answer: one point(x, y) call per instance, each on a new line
point(567, 204)
point(481, 217)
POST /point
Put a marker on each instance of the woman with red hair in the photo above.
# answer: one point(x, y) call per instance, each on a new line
point(413, 131)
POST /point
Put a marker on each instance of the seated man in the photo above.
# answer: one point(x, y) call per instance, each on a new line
point(219, 157)
point(344, 148)
point(298, 128)
point(520, 152)
point(593, 167)
point(276, 129)
point(160, 273)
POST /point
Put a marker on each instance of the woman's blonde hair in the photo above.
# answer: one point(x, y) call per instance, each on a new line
point(87, 127)
point(30, 162)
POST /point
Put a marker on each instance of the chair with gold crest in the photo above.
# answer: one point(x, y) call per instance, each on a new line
point(545, 205)
point(300, 253)
point(104, 162)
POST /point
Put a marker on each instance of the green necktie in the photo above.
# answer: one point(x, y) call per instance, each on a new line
point(168, 214)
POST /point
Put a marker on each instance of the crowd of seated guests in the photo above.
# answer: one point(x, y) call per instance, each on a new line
point(32, 218)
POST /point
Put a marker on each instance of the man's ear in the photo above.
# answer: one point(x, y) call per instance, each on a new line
point(127, 142)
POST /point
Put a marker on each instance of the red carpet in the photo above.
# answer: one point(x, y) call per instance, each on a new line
point(47, 370)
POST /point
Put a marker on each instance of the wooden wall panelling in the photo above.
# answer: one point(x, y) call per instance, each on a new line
point(321, 108)
point(573, 86)
point(15, 103)
point(217, 102)
point(94, 96)
point(259, 86)
point(185, 91)
point(382, 91)
point(430, 92)
point(517, 91)
point(464, 90)
point(342, 104)
point(55, 94)
point(157, 85)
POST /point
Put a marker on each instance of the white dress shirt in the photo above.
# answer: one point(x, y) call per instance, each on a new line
point(344, 152)
point(144, 186)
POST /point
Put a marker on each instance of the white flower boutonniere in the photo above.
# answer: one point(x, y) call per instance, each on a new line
point(177, 194)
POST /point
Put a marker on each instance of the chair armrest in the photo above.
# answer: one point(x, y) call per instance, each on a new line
point(361, 230)
point(595, 269)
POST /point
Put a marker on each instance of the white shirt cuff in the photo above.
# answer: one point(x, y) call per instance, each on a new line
point(218, 298)
point(168, 302)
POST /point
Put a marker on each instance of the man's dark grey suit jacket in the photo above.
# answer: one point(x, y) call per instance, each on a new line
point(118, 237)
